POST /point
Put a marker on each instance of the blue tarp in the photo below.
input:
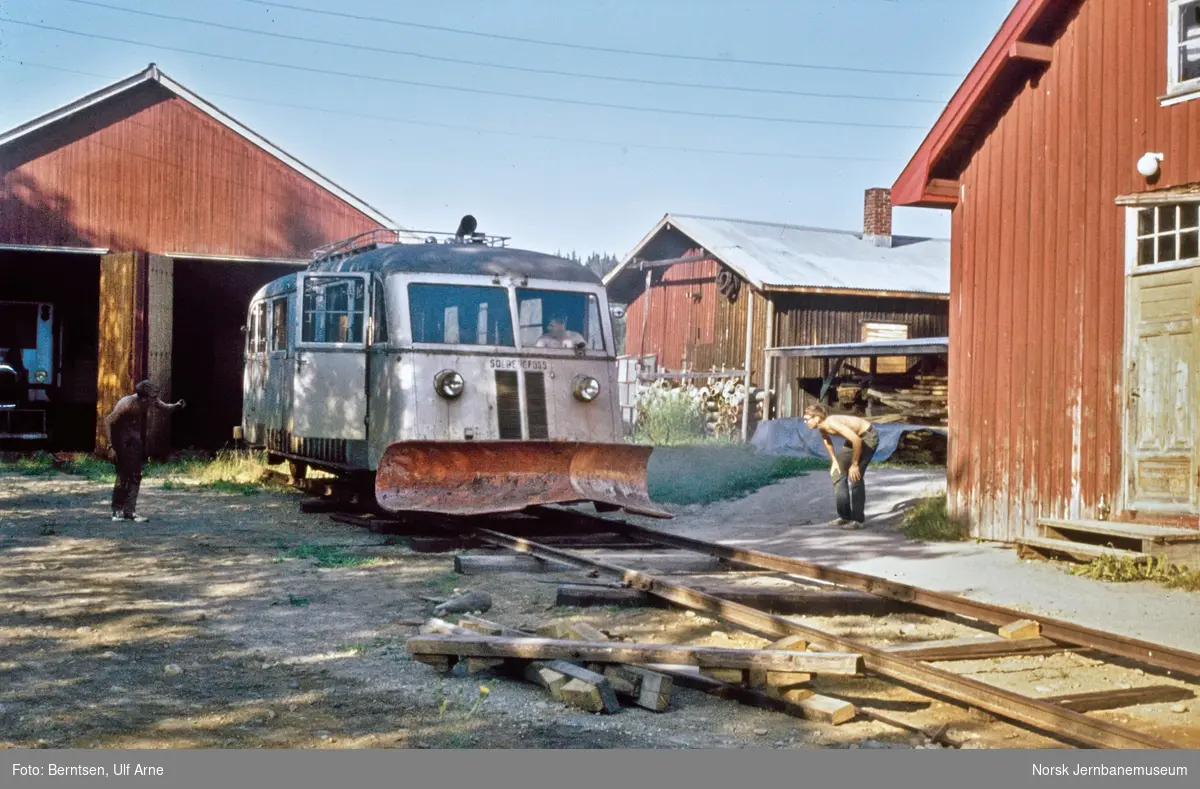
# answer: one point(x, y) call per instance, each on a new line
point(793, 438)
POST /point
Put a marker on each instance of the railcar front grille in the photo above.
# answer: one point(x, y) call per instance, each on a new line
point(508, 404)
point(331, 450)
point(535, 398)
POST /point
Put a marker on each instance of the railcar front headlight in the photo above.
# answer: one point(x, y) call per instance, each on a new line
point(449, 384)
point(586, 388)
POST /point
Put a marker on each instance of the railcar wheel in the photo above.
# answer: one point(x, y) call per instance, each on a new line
point(298, 469)
point(273, 459)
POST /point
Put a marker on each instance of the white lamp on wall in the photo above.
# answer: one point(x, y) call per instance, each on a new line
point(1148, 164)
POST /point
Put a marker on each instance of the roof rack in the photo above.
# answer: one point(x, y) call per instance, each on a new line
point(381, 236)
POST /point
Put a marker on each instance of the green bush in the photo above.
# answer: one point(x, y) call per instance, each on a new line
point(667, 417)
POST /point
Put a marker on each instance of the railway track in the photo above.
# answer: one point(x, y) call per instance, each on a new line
point(561, 538)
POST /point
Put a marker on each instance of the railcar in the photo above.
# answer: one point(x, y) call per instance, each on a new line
point(29, 370)
point(462, 375)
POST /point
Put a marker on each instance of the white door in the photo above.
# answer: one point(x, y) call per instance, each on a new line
point(1162, 397)
point(329, 394)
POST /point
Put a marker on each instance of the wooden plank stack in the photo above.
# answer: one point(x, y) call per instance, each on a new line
point(919, 400)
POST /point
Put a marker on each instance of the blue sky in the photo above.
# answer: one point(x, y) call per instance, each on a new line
point(556, 174)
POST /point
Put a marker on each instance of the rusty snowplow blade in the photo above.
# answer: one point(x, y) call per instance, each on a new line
point(482, 477)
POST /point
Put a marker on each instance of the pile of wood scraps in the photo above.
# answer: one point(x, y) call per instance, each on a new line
point(922, 402)
point(582, 667)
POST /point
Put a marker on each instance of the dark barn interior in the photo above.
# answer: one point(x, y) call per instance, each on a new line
point(71, 282)
point(210, 304)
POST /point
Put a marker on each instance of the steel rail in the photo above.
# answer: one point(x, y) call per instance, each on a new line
point(1145, 652)
point(1045, 716)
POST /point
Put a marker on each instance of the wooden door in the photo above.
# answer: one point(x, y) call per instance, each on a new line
point(119, 330)
point(1161, 397)
point(160, 318)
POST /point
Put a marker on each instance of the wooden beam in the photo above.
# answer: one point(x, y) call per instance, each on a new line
point(947, 188)
point(1035, 53)
point(976, 648)
point(792, 600)
point(1051, 718)
point(474, 645)
point(816, 708)
point(1122, 697)
point(1159, 655)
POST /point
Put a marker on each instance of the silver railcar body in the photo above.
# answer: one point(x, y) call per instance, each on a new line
point(426, 342)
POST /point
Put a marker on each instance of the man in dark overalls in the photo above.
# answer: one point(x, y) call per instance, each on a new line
point(126, 447)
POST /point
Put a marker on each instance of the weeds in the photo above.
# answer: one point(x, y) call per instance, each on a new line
point(445, 703)
point(331, 556)
point(929, 519)
point(669, 416)
point(443, 583)
point(229, 472)
point(1128, 570)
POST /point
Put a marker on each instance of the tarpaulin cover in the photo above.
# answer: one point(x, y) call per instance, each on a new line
point(793, 438)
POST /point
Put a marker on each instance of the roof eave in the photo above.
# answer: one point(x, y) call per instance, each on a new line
point(1006, 50)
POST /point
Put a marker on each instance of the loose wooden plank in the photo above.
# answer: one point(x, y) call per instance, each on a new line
point(844, 664)
point(585, 689)
point(781, 601)
point(975, 648)
point(1121, 697)
point(1021, 629)
point(478, 565)
point(811, 707)
point(548, 678)
point(582, 631)
point(782, 683)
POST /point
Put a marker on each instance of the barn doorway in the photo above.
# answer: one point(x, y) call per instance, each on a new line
point(210, 303)
point(51, 329)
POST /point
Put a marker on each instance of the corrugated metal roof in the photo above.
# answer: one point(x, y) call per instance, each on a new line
point(768, 255)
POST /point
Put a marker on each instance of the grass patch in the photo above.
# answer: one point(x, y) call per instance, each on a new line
point(229, 472)
point(443, 583)
point(1126, 570)
point(703, 473)
point(331, 556)
point(929, 520)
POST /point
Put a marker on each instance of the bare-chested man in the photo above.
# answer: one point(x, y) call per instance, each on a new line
point(123, 428)
point(850, 463)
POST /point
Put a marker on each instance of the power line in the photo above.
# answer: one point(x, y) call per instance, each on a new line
point(500, 132)
point(590, 48)
point(477, 91)
point(507, 67)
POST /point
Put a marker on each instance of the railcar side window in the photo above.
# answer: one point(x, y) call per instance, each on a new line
point(559, 319)
point(260, 328)
point(460, 315)
point(379, 316)
point(333, 309)
point(279, 326)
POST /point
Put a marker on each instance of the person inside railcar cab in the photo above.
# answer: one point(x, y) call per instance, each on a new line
point(559, 336)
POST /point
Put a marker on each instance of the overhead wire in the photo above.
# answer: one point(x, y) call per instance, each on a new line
point(363, 47)
point(500, 132)
point(476, 91)
point(593, 48)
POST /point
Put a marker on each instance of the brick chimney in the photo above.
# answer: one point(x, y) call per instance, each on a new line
point(877, 217)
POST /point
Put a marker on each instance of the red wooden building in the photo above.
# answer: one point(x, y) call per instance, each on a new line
point(1070, 163)
point(707, 294)
point(146, 217)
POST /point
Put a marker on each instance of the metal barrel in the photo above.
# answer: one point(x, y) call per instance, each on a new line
point(481, 477)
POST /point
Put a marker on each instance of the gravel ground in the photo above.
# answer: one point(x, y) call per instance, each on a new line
point(203, 628)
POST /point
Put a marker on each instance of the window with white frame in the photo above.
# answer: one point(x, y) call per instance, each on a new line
point(1168, 233)
point(1183, 45)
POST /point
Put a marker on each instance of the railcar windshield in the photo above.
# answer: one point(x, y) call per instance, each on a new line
point(460, 315)
point(559, 319)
